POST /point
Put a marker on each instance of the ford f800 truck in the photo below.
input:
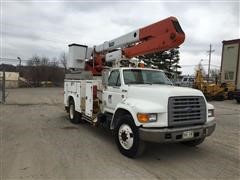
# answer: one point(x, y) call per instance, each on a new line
point(138, 105)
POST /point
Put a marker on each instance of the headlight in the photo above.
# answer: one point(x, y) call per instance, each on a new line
point(211, 113)
point(144, 118)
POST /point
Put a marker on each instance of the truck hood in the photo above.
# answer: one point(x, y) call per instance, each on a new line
point(155, 97)
point(162, 90)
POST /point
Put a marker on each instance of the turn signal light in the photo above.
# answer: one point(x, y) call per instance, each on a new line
point(143, 118)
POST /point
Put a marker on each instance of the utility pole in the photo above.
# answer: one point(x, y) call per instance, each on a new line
point(209, 62)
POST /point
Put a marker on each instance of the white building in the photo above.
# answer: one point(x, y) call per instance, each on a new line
point(11, 79)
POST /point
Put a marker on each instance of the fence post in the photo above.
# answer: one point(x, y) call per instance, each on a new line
point(3, 87)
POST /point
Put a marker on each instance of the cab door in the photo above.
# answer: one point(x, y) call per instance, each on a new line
point(113, 93)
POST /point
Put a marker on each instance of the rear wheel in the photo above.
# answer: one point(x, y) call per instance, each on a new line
point(230, 95)
point(219, 97)
point(127, 137)
point(74, 116)
point(238, 101)
point(193, 142)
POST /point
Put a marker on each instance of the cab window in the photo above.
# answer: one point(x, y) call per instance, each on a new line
point(114, 78)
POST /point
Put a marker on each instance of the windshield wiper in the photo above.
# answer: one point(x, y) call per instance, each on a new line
point(148, 83)
point(163, 83)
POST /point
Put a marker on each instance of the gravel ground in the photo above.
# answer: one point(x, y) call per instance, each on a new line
point(38, 142)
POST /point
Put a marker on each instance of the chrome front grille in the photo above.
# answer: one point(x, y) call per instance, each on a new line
point(186, 110)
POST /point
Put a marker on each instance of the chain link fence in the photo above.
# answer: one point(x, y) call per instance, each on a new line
point(2, 87)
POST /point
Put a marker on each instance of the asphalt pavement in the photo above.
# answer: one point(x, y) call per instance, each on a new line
point(39, 142)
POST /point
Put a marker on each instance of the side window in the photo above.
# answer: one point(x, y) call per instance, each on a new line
point(118, 80)
point(114, 79)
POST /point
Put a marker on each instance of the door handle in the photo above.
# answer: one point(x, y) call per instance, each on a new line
point(110, 99)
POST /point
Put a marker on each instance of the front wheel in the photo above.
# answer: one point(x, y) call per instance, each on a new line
point(127, 137)
point(193, 142)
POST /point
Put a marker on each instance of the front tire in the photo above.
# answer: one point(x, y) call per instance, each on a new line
point(193, 143)
point(127, 137)
point(74, 116)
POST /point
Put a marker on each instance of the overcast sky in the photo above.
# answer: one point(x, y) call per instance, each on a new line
point(46, 28)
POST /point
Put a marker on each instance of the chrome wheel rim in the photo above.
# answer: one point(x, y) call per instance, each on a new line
point(125, 136)
point(71, 111)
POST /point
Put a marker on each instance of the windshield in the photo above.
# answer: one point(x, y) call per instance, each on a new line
point(139, 76)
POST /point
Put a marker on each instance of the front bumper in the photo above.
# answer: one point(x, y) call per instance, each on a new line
point(176, 134)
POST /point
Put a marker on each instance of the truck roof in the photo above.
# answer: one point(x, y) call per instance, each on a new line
point(123, 68)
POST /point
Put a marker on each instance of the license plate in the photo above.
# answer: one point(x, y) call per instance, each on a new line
point(187, 134)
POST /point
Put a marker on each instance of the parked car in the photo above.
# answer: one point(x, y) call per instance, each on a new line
point(187, 81)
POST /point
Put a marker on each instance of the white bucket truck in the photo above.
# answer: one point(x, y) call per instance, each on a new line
point(138, 104)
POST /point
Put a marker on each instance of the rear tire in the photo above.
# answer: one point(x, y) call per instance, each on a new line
point(219, 98)
point(193, 142)
point(74, 116)
point(127, 137)
point(230, 95)
point(238, 101)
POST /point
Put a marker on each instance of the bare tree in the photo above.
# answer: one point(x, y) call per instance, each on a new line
point(63, 60)
point(34, 71)
point(215, 75)
point(200, 67)
point(44, 61)
point(41, 70)
point(30, 62)
point(54, 62)
point(214, 72)
point(34, 61)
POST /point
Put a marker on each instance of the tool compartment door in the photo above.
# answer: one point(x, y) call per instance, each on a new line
point(89, 99)
point(65, 93)
point(78, 97)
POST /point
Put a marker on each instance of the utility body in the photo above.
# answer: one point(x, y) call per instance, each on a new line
point(138, 104)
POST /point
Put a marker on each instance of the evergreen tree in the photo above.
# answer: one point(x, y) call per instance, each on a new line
point(166, 60)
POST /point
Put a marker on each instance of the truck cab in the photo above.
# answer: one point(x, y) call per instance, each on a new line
point(141, 105)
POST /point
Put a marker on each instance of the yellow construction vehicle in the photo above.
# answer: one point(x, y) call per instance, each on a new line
point(211, 91)
point(229, 89)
